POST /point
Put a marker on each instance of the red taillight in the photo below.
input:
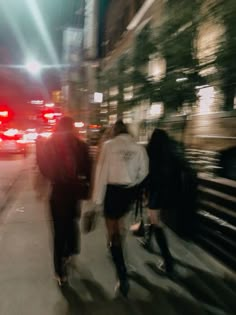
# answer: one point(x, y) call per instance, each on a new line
point(4, 113)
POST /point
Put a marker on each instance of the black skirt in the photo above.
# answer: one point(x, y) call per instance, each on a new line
point(118, 200)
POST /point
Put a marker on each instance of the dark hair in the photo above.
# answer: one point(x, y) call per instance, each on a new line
point(119, 128)
point(65, 124)
point(159, 143)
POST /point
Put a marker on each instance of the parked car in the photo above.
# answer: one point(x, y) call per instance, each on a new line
point(12, 141)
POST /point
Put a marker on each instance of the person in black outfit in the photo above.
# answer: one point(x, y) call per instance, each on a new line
point(163, 180)
point(66, 158)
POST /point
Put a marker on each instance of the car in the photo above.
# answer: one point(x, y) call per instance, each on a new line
point(12, 141)
point(45, 132)
point(30, 135)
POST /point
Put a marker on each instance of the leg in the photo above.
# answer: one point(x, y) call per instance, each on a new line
point(73, 238)
point(161, 239)
point(114, 235)
point(146, 241)
point(59, 248)
point(59, 242)
point(72, 230)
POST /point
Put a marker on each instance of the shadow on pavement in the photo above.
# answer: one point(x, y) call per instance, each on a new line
point(216, 295)
point(87, 297)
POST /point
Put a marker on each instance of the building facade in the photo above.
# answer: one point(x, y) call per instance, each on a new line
point(156, 62)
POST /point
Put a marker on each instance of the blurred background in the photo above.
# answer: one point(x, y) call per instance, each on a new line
point(154, 63)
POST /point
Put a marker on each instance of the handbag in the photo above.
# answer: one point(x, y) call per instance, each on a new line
point(89, 217)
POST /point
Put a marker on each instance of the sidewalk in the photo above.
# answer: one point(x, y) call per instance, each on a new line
point(9, 172)
point(201, 285)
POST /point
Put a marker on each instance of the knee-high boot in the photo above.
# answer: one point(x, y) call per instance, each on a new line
point(146, 241)
point(118, 259)
point(162, 243)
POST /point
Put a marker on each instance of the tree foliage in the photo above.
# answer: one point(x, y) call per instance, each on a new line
point(174, 41)
point(227, 53)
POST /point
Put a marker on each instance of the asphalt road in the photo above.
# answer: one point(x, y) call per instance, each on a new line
point(200, 285)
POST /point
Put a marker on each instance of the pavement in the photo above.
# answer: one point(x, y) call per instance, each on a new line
point(201, 285)
point(10, 168)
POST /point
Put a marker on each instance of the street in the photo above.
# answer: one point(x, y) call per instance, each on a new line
point(200, 285)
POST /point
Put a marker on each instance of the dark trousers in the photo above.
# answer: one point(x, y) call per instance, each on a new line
point(65, 229)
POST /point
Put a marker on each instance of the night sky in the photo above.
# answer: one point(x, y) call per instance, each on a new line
point(32, 29)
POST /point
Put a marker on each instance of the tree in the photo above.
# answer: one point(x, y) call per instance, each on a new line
point(176, 44)
point(227, 51)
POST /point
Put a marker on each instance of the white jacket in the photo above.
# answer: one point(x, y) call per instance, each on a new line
point(121, 161)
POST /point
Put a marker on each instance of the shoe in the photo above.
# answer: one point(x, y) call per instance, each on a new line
point(166, 268)
point(146, 245)
point(163, 245)
point(62, 281)
point(123, 287)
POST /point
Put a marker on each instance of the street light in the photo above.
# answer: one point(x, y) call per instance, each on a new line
point(34, 67)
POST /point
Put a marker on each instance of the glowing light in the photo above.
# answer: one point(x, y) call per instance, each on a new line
point(4, 113)
point(181, 79)
point(50, 105)
point(52, 121)
point(98, 97)
point(156, 68)
point(49, 115)
point(14, 26)
point(31, 130)
point(11, 132)
point(104, 111)
point(46, 134)
point(21, 141)
point(79, 124)
point(206, 99)
point(156, 109)
point(94, 126)
point(38, 18)
point(57, 114)
point(33, 67)
point(32, 136)
point(36, 102)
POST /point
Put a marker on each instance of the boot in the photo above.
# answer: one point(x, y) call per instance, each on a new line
point(118, 259)
point(163, 245)
point(146, 241)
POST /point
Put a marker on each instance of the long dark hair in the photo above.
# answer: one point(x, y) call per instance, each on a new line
point(119, 128)
point(159, 145)
point(65, 124)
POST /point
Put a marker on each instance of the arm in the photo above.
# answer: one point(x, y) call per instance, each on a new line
point(87, 163)
point(101, 175)
point(143, 165)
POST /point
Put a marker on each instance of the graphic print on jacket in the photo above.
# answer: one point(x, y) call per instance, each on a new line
point(126, 155)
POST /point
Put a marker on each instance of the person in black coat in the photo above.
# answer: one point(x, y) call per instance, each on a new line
point(162, 183)
point(65, 158)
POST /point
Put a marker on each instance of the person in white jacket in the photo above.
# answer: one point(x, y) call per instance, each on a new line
point(122, 165)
